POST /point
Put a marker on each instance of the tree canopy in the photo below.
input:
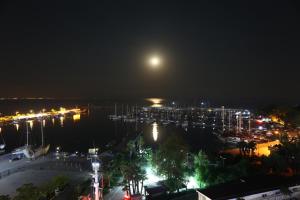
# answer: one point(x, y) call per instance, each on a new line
point(171, 161)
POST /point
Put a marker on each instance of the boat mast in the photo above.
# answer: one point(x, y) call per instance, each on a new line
point(26, 133)
point(97, 194)
point(229, 120)
point(2, 136)
point(42, 131)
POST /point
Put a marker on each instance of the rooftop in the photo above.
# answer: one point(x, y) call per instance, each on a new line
point(249, 186)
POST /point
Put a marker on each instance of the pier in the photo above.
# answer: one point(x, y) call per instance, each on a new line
point(43, 114)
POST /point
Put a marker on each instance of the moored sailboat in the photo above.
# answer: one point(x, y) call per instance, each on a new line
point(29, 151)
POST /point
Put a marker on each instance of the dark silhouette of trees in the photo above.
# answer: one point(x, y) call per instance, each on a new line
point(247, 148)
point(209, 173)
point(5, 197)
point(284, 156)
point(28, 192)
point(131, 164)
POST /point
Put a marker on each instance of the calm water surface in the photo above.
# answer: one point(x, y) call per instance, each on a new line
point(93, 128)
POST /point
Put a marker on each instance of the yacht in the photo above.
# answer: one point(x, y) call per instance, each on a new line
point(115, 117)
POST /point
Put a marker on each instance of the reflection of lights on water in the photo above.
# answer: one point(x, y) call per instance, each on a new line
point(154, 131)
point(0, 129)
point(61, 118)
point(156, 102)
point(30, 124)
point(156, 105)
point(44, 123)
point(76, 117)
point(53, 121)
point(17, 126)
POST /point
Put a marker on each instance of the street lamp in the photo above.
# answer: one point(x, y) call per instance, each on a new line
point(96, 167)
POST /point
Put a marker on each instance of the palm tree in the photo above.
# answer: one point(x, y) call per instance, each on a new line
point(131, 148)
point(285, 191)
point(4, 197)
point(242, 145)
point(127, 173)
point(143, 177)
point(252, 146)
point(28, 192)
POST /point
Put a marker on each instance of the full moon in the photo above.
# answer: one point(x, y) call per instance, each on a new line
point(154, 61)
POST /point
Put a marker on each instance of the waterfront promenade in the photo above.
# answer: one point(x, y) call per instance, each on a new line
point(262, 149)
point(16, 173)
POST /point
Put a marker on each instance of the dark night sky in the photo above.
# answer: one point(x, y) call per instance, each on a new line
point(225, 51)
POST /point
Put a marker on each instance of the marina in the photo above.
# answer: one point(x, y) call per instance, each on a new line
point(230, 125)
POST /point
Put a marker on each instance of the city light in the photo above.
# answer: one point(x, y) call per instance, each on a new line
point(31, 115)
point(277, 120)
